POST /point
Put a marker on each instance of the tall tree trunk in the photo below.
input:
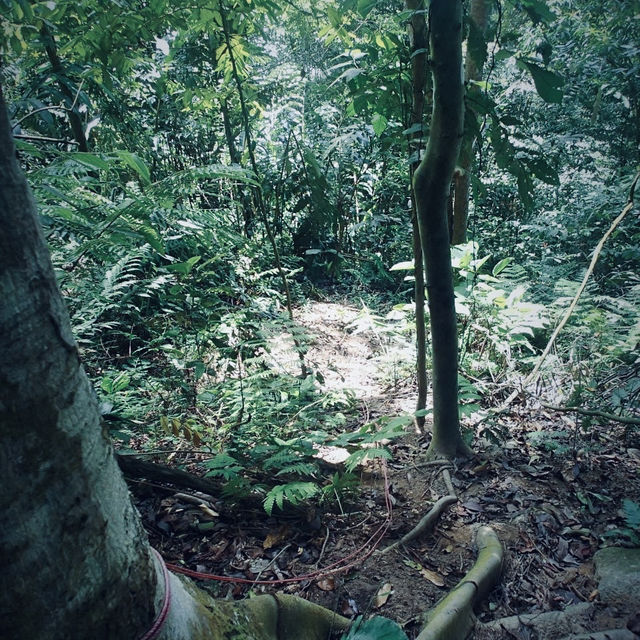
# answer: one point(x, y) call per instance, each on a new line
point(478, 15)
point(74, 559)
point(431, 184)
point(235, 157)
point(419, 48)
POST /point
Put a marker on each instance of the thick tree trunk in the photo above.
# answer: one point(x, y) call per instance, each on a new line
point(431, 185)
point(74, 559)
point(478, 14)
point(74, 556)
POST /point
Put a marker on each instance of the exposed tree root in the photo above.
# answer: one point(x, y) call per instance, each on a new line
point(452, 618)
point(426, 524)
point(549, 624)
point(610, 634)
point(572, 623)
point(594, 412)
point(197, 616)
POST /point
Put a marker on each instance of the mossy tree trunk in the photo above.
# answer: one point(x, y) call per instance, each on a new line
point(431, 184)
point(74, 559)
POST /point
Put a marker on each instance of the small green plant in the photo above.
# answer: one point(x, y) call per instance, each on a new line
point(631, 530)
point(376, 628)
point(550, 441)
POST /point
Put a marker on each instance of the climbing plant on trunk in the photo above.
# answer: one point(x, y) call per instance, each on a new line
point(431, 183)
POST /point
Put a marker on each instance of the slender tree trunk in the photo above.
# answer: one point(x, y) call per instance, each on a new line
point(235, 157)
point(300, 348)
point(431, 184)
point(74, 559)
point(478, 14)
point(56, 64)
point(419, 50)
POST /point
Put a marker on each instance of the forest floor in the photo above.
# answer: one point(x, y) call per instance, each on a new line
point(551, 511)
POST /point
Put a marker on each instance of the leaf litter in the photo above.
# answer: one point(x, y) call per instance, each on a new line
point(552, 511)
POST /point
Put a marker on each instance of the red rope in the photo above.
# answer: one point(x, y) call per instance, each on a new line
point(335, 567)
point(158, 623)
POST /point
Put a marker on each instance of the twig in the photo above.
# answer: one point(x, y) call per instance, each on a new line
point(594, 412)
point(433, 463)
point(59, 107)
point(286, 546)
point(324, 545)
point(426, 524)
point(24, 136)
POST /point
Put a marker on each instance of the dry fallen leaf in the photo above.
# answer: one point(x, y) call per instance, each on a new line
point(276, 537)
point(432, 576)
point(326, 584)
point(383, 595)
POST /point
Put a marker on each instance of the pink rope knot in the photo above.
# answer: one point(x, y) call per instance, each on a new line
point(158, 623)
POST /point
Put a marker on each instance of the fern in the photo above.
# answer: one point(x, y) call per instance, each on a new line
point(225, 466)
point(292, 492)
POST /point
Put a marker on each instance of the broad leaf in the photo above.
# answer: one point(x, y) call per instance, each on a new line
point(376, 628)
point(549, 85)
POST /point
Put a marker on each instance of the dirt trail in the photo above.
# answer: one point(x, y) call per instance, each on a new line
point(352, 352)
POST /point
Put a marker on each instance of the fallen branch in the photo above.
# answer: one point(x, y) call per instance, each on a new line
point(533, 376)
point(593, 412)
point(426, 524)
point(133, 467)
point(452, 618)
point(596, 254)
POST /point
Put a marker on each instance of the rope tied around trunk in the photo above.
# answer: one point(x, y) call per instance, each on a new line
point(158, 623)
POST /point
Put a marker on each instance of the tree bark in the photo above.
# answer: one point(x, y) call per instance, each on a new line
point(431, 185)
point(73, 554)
point(478, 14)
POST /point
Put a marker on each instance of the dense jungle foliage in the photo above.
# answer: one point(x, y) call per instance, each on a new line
point(203, 170)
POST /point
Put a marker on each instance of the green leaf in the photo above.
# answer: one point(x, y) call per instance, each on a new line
point(376, 628)
point(135, 163)
point(414, 128)
point(183, 267)
point(365, 454)
point(631, 511)
point(548, 84)
point(501, 266)
point(538, 11)
point(366, 6)
point(89, 160)
point(379, 123)
point(403, 266)
point(542, 170)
